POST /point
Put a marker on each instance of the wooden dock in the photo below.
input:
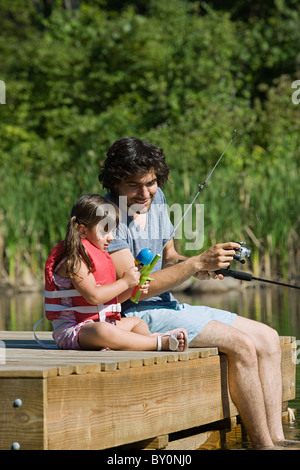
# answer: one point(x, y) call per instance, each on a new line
point(54, 399)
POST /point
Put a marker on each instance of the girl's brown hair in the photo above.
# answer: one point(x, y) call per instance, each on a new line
point(89, 210)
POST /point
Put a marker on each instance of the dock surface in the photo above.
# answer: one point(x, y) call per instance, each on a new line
point(63, 400)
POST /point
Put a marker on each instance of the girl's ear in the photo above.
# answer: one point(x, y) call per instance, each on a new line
point(82, 230)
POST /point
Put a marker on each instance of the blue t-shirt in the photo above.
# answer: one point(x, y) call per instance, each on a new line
point(157, 231)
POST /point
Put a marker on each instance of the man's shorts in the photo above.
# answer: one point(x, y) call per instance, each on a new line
point(193, 318)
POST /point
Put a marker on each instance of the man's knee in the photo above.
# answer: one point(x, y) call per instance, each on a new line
point(244, 350)
point(269, 342)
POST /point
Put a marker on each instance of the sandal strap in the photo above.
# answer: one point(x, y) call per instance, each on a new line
point(173, 342)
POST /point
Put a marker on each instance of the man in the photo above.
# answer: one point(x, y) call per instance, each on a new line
point(133, 173)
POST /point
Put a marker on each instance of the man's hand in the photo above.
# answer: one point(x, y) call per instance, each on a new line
point(214, 258)
point(206, 275)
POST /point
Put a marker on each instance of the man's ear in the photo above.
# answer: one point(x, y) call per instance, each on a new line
point(82, 230)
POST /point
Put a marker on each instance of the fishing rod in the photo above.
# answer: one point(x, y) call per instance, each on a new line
point(201, 186)
point(242, 276)
point(145, 260)
point(240, 255)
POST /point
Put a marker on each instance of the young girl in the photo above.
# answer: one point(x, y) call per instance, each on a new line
point(82, 294)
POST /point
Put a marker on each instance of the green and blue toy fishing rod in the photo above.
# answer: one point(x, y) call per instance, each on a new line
point(145, 260)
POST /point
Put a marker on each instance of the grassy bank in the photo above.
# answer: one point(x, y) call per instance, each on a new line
point(238, 205)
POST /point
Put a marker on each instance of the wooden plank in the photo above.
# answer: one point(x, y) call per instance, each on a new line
point(22, 349)
point(24, 424)
point(134, 404)
point(159, 442)
point(32, 371)
point(287, 339)
point(6, 334)
point(203, 440)
point(288, 370)
point(200, 438)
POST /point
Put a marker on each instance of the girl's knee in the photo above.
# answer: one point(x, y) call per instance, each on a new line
point(93, 336)
point(137, 325)
point(102, 329)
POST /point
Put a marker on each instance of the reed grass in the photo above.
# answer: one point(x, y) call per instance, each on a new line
point(256, 206)
point(259, 207)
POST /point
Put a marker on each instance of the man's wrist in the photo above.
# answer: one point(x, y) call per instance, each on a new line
point(196, 264)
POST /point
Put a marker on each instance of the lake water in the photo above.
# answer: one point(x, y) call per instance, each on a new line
point(277, 307)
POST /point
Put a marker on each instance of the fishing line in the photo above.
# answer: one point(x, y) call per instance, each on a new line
point(201, 186)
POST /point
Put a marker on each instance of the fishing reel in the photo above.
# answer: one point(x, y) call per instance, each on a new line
point(242, 253)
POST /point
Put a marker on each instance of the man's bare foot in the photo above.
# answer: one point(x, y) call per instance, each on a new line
point(288, 443)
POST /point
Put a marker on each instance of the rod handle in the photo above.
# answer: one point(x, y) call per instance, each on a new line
point(242, 276)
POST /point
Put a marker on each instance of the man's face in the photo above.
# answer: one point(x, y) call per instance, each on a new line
point(139, 190)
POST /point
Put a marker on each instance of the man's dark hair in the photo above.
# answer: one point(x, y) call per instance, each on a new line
point(130, 156)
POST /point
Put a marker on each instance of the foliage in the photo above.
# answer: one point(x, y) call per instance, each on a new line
point(180, 74)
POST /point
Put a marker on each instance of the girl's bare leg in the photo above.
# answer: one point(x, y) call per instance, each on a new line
point(102, 334)
point(134, 324)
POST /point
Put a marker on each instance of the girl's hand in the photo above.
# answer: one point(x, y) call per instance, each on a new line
point(132, 276)
point(145, 288)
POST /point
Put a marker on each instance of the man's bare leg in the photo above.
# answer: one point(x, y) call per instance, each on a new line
point(268, 351)
point(243, 376)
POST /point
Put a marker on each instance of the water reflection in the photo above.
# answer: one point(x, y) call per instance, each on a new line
point(277, 307)
point(19, 311)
